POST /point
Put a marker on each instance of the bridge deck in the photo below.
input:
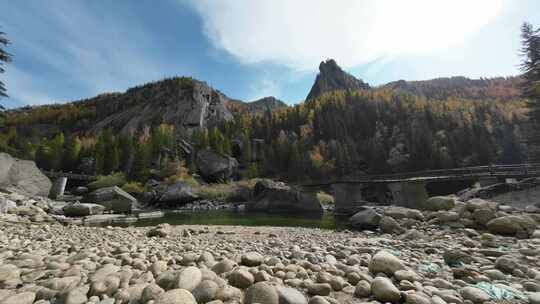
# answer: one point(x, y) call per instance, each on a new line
point(73, 176)
point(465, 173)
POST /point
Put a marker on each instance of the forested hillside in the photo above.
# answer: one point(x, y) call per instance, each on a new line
point(402, 126)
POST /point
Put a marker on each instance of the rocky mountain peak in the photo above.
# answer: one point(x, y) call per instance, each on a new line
point(332, 78)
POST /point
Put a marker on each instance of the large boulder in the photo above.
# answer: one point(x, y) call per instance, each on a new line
point(365, 219)
point(78, 209)
point(437, 203)
point(112, 198)
point(513, 225)
point(216, 167)
point(178, 193)
point(272, 196)
point(23, 175)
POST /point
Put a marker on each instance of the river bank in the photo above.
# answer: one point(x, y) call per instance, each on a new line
point(52, 263)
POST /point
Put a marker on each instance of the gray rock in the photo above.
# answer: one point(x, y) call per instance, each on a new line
point(189, 278)
point(241, 278)
point(318, 300)
point(455, 257)
point(437, 203)
point(6, 205)
point(513, 225)
point(215, 167)
point(112, 198)
point(397, 213)
point(483, 215)
point(534, 297)
point(161, 230)
point(288, 295)
point(363, 289)
point(417, 298)
point(390, 225)
point(385, 262)
point(272, 196)
point(78, 209)
point(319, 289)
point(385, 291)
point(261, 293)
point(223, 266)
point(170, 195)
point(365, 219)
point(252, 259)
point(176, 296)
point(151, 292)
point(206, 291)
point(23, 175)
point(474, 294)
point(20, 298)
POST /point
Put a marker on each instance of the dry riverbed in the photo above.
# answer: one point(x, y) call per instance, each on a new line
point(52, 263)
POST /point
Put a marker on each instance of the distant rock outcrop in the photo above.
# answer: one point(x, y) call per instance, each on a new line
point(262, 105)
point(23, 175)
point(332, 78)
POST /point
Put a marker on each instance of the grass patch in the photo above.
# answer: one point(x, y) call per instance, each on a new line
point(325, 198)
point(229, 192)
point(103, 181)
point(133, 187)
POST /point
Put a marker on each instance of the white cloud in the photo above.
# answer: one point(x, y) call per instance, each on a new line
point(263, 88)
point(301, 33)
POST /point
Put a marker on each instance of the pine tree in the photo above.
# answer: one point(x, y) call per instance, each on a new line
point(530, 40)
point(99, 155)
point(57, 152)
point(72, 152)
point(5, 57)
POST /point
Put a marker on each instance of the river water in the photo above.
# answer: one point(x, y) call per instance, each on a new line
point(235, 218)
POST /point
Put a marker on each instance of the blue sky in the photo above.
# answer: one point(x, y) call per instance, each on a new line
point(67, 50)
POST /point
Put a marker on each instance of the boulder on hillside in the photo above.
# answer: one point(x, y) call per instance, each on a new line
point(216, 167)
point(512, 225)
point(78, 209)
point(272, 196)
point(365, 219)
point(23, 176)
point(175, 194)
point(112, 198)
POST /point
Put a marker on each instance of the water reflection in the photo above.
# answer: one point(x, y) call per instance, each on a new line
point(221, 217)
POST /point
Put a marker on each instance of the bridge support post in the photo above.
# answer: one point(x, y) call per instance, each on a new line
point(58, 187)
point(347, 197)
point(409, 194)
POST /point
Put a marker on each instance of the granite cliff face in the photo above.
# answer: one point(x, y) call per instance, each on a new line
point(185, 103)
point(332, 78)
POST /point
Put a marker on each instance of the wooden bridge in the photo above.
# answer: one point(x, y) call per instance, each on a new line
point(74, 176)
point(409, 188)
point(465, 173)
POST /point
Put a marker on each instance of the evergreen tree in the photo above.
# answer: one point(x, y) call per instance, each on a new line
point(99, 155)
point(5, 57)
point(530, 40)
point(72, 152)
point(57, 152)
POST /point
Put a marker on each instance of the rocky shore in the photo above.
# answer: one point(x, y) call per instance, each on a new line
point(48, 262)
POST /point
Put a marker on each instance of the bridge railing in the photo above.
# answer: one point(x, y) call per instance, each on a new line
point(513, 170)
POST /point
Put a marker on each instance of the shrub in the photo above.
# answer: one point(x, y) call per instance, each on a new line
point(103, 181)
point(325, 198)
point(177, 171)
point(133, 187)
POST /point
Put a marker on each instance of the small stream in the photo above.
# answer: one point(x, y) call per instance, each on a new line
point(236, 218)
